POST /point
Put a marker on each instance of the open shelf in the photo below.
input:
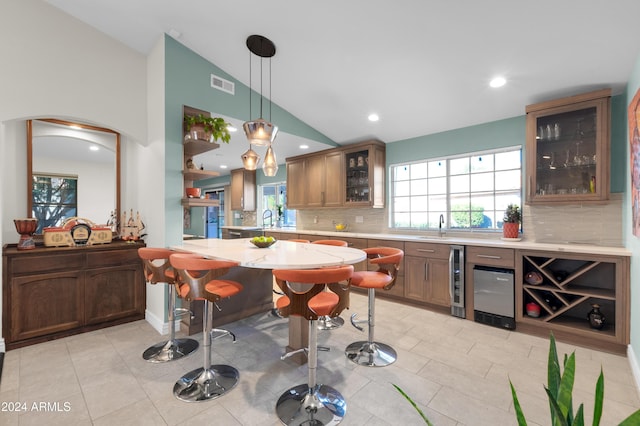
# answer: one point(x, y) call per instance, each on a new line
point(200, 202)
point(197, 174)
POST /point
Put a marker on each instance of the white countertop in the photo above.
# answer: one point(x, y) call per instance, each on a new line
point(281, 255)
point(469, 241)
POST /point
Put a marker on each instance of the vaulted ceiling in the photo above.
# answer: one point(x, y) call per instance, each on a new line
point(422, 66)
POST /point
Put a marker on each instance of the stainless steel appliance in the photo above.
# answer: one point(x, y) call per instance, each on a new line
point(493, 296)
point(456, 280)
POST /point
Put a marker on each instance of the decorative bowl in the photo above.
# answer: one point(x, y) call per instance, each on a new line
point(193, 192)
point(533, 309)
point(533, 278)
point(263, 244)
point(341, 226)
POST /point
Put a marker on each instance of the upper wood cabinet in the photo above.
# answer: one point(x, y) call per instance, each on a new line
point(568, 149)
point(365, 175)
point(351, 176)
point(243, 190)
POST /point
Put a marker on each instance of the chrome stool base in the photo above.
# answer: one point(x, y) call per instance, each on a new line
point(322, 406)
point(170, 350)
point(328, 323)
point(203, 385)
point(371, 354)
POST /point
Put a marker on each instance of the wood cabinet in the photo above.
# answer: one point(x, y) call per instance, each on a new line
point(315, 181)
point(243, 190)
point(571, 285)
point(568, 149)
point(427, 273)
point(191, 147)
point(54, 292)
point(350, 176)
point(364, 175)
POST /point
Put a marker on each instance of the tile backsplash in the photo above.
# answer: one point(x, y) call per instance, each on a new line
point(598, 224)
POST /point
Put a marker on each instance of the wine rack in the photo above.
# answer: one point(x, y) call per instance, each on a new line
point(571, 284)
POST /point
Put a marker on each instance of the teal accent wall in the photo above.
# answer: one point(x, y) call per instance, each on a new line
point(188, 82)
point(497, 134)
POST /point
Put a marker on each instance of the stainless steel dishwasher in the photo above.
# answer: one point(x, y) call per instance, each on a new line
point(493, 296)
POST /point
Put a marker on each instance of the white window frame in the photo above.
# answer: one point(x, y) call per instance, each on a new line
point(498, 197)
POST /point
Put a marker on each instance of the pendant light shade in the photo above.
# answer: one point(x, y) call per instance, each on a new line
point(250, 159)
point(260, 132)
point(270, 164)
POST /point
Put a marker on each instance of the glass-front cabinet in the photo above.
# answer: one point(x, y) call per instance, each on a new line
point(364, 175)
point(567, 149)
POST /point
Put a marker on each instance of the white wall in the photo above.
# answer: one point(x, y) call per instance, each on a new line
point(57, 66)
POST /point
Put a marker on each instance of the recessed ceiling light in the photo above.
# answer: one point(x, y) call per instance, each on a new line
point(373, 117)
point(94, 148)
point(304, 146)
point(223, 166)
point(498, 82)
point(232, 128)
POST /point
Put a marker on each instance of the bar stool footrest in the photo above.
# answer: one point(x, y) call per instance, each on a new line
point(371, 354)
point(222, 333)
point(321, 405)
point(204, 385)
point(170, 350)
point(328, 323)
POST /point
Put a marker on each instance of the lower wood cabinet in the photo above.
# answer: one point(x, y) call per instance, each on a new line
point(427, 273)
point(54, 292)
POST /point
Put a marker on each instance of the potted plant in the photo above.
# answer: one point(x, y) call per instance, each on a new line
point(511, 221)
point(211, 129)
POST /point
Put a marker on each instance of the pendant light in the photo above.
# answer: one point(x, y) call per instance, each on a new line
point(260, 132)
point(250, 159)
point(270, 164)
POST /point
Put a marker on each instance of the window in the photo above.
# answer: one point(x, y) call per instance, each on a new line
point(467, 192)
point(273, 198)
point(55, 198)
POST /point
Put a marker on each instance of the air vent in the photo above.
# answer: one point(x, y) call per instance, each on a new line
point(222, 84)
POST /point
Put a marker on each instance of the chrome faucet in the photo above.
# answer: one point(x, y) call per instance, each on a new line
point(267, 214)
point(440, 222)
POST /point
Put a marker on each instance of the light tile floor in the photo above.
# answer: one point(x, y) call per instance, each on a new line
point(456, 370)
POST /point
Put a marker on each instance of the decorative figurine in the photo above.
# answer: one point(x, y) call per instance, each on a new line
point(595, 317)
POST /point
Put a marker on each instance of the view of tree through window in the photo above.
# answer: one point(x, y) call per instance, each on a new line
point(274, 199)
point(55, 198)
point(462, 192)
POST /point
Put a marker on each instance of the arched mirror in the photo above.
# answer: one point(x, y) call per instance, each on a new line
point(73, 169)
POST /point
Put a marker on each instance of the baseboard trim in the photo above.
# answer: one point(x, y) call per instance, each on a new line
point(3, 348)
point(635, 367)
point(159, 325)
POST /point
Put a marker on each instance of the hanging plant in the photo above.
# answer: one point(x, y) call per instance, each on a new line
point(215, 127)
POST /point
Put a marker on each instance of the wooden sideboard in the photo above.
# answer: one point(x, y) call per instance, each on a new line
point(52, 292)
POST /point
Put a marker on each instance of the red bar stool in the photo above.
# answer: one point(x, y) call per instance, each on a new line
point(157, 269)
point(371, 353)
point(327, 322)
point(200, 281)
point(311, 403)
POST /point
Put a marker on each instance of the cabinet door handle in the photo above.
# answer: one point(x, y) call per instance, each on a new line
point(531, 193)
point(235, 234)
point(370, 192)
point(426, 272)
point(426, 250)
point(488, 256)
point(242, 202)
point(322, 198)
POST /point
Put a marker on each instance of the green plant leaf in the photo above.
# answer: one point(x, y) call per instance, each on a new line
point(426, 420)
point(565, 390)
point(553, 370)
point(632, 420)
point(579, 420)
point(597, 406)
point(516, 405)
point(556, 413)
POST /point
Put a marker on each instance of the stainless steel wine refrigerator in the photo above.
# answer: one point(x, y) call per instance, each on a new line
point(456, 280)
